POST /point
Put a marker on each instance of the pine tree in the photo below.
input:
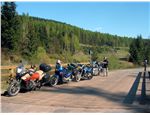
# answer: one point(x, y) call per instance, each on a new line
point(137, 50)
point(9, 25)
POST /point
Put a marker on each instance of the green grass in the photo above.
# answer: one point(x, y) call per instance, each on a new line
point(4, 84)
point(117, 60)
point(81, 57)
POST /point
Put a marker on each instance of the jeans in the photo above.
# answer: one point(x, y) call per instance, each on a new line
point(105, 71)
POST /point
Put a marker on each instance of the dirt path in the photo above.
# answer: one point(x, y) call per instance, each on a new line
point(101, 94)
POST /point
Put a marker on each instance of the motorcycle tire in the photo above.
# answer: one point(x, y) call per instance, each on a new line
point(53, 80)
point(13, 88)
point(96, 72)
point(89, 76)
point(77, 77)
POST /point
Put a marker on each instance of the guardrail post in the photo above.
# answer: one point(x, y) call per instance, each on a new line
point(11, 71)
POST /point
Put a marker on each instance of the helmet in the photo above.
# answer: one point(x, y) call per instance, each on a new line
point(58, 61)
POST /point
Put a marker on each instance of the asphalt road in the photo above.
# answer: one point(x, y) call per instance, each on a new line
point(114, 93)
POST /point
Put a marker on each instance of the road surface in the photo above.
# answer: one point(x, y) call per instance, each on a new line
point(101, 94)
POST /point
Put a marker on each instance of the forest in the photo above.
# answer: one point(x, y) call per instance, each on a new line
point(38, 40)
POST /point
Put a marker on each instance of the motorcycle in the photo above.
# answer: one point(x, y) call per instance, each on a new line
point(86, 71)
point(63, 75)
point(76, 72)
point(96, 68)
point(16, 84)
point(28, 84)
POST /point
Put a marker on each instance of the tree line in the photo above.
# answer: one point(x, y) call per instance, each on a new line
point(27, 35)
point(139, 50)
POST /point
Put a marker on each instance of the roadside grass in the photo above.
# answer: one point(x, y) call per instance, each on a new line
point(117, 60)
point(81, 57)
point(4, 84)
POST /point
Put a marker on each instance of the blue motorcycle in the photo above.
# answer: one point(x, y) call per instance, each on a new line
point(62, 75)
point(86, 72)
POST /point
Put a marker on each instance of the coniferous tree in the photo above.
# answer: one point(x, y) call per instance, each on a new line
point(9, 25)
point(137, 50)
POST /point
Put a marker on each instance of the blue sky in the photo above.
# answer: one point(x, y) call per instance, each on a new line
point(120, 18)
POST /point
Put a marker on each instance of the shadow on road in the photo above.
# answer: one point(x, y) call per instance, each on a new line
point(113, 97)
point(118, 98)
point(123, 99)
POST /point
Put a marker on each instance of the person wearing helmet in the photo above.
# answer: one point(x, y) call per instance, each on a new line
point(58, 67)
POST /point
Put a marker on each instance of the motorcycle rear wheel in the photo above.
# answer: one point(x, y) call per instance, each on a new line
point(54, 80)
point(78, 77)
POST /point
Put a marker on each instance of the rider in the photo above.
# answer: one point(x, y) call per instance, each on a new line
point(58, 67)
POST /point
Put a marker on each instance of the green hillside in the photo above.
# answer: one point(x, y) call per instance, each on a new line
point(38, 40)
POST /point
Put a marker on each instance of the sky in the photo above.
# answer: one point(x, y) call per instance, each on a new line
point(118, 18)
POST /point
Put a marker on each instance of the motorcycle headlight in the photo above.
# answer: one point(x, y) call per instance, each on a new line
point(19, 70)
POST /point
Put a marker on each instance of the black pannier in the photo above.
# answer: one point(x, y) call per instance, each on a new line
point(44, 67)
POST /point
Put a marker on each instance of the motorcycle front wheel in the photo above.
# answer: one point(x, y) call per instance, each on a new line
point(13, 88)
point(89, 76)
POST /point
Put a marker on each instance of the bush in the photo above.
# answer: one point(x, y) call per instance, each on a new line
point(40, 56)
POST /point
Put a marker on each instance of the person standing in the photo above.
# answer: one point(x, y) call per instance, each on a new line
point(105, 66)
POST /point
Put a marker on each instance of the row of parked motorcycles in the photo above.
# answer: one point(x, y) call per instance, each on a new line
point(73, 72)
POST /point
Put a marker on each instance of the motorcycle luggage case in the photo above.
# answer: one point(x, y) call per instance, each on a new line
point(44, 67)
